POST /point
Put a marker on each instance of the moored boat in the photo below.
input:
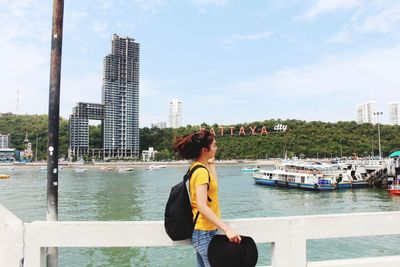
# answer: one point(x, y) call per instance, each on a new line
point(80, 170)
point(125, 169)
point(294, 179)
point(155, 167)
point(394, 188)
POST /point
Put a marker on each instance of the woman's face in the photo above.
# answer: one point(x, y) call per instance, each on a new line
point(213, 149)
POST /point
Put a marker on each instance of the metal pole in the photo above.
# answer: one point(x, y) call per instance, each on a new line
point(36, 147)
point(54, 114)
point(341, 151)
point(379, 134)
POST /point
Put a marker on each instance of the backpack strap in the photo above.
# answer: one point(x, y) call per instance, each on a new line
point(187, 176)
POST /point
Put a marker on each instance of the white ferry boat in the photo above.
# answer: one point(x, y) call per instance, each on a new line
point(312, 176)
point(296, 174)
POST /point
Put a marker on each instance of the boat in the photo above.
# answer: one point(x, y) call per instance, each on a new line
point(296, 175)
point(4, 176)
point(250, 169)
point(155, 167)
point(106, 168)
point(394, 188)
point(43, 168)
point(80, 170)
point(124, 169)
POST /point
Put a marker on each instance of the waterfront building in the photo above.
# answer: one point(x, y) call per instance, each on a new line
point(175, 113)
point(365, 112)
point(149, 154)
point(4, 140)
point(160, 125)
point(121, 97)
point(79, 126)
point(394, 113)
point(119, 110)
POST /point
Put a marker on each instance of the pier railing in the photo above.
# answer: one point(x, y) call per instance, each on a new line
point(288, 236)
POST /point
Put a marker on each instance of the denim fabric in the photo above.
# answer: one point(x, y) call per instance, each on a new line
point(200, 241)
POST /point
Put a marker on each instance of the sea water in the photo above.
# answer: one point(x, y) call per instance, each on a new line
point(140, 195)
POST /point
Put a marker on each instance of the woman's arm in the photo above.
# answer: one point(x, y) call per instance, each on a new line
point(201, 199)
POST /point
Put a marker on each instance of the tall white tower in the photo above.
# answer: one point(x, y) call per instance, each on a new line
point(394, 113)
point(365, 112)
point(175, 113)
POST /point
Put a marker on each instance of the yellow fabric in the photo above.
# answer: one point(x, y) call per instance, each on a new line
point(199, 177)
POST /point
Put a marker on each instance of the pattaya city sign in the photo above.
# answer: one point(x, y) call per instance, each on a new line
point(248, 130)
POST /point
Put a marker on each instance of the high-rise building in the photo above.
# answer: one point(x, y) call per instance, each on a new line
point(394, 113)
point(175, 113)
point(79, 126)
point(119, 111)
point(365, 112)
point(121, 97)
point(4, 140)
point(160, 125)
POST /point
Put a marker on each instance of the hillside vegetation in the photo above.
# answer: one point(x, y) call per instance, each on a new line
point(302, 139)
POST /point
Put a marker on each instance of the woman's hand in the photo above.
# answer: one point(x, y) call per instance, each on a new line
point(233, 236)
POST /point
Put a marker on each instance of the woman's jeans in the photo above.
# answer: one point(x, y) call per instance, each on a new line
point(200, 241)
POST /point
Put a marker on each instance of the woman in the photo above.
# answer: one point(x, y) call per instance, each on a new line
point(203, 187)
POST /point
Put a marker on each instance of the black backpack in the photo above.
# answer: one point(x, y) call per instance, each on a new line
point(178, 217)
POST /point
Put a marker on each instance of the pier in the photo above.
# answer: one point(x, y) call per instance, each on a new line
point(23, 244)
point(379, 172)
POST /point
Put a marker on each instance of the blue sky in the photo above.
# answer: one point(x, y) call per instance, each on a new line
point(227, 61)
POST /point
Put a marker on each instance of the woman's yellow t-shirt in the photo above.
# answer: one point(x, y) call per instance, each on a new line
point(199, 177)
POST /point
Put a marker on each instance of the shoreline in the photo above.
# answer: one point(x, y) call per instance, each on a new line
point(136, 164)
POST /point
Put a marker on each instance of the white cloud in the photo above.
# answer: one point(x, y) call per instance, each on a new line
point(149, 5)
point(343, 37)
point(326, 90)
point(327, 6)
point(219, 3)
point(384, 22)
point(247, 37)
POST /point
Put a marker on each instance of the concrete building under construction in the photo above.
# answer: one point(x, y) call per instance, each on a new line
point(119, 111)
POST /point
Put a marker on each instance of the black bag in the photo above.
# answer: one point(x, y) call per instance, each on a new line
point(178, 217)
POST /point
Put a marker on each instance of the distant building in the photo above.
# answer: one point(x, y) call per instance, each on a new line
point(121, 97)
point(28, 153)
point(79, 126)
point(161, 125)
point(7, 154)
point(4, 140)
point(175, 113)
point(6, 114)
point(394, 113)
point(365, 112)
point(149, 154)
point(119, 111)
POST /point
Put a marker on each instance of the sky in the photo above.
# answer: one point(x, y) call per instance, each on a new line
point(228, 61)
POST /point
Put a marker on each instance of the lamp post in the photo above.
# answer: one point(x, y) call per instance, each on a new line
point(379, 133)
point(36, 147)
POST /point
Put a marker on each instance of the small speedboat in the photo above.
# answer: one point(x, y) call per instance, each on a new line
point(125, 169)
point(394, 189)
point(80, 170)
point(155, 167)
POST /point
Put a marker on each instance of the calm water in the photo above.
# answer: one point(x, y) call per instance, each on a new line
point(141, 195)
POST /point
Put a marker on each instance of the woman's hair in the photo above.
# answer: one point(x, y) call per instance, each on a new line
point(189, 146)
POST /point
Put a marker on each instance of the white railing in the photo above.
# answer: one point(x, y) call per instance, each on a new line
point(288, 236)
point(11, 239)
